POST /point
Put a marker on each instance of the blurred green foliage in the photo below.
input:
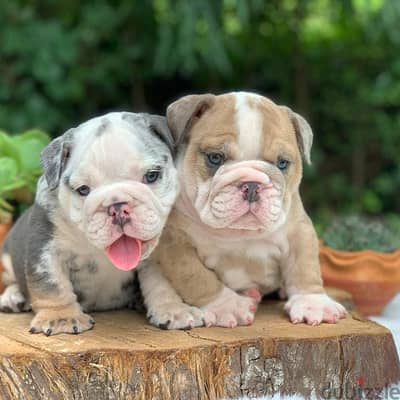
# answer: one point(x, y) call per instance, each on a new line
point(354, 233)
point(336, 62)
point(19, 168)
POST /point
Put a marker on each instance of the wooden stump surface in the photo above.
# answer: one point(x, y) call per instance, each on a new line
point(125, 358)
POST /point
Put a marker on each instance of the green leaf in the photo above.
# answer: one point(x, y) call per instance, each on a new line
point(9, 178)
point(8, 148)
point(4, 205)
point(29, 145)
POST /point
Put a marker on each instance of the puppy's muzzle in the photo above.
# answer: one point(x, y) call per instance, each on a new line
point(120, 213)
point(250, 191)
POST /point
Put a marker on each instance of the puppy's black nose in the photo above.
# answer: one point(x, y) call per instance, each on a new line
point(250, 191)
point(120, 213)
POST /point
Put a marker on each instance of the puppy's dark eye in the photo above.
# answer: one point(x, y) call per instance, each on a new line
point(215, 160)
point(151, 176)
point(83, 190)
point(282, 164)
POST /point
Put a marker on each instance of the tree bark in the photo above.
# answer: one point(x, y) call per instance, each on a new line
point(125, 358)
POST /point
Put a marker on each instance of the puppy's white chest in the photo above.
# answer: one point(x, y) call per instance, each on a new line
point(252, 264)
point(97, 284)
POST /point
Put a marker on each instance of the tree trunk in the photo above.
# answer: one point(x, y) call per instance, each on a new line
point(125, 358)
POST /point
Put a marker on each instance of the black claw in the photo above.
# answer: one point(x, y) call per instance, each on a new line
point(164, 325)
point(21, 305)
point(32, 330)
point(92, 321)
point(48, 332)
point(75, 329)
point(187, 328)
point(7, 309)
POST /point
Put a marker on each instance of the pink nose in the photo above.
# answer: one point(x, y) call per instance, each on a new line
point(120, 213)
point(250, 191)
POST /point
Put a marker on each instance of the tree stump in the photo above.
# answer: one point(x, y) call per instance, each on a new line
point(125, 358)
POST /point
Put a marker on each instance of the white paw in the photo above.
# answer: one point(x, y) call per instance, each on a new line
point(314, 309)
point(175, 316)
point(230, 309)
point(61, 321)
point(12, 300)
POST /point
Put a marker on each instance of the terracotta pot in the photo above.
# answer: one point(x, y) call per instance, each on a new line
point(372, 278)
point(4, 228)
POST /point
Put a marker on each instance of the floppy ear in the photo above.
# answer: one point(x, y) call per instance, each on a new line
point(183, 113)
point(54, 158)
point(159, 127)
point(304, 134)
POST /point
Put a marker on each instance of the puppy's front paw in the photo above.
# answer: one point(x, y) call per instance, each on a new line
point(176, 316)
point(52, 322)
point(230, 309)
point(314, 309)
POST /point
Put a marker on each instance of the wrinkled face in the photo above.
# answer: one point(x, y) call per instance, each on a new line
point(242, 163)
point(118, 186)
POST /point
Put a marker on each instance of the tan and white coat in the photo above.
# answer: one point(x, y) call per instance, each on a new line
point(220, 252)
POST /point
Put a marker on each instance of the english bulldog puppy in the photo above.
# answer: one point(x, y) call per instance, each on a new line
point(239, 229)
point(101, 204)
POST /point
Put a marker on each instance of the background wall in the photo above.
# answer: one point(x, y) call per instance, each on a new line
point(336, 62)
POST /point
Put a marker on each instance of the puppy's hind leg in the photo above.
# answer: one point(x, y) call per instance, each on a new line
point(12, 300)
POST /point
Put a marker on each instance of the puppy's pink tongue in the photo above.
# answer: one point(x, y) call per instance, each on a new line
point(125, 253)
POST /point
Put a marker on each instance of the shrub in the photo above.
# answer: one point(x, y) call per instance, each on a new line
point(355, 232)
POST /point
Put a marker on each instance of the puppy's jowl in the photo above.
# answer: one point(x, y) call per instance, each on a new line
point(107, 189)
point(239, 229)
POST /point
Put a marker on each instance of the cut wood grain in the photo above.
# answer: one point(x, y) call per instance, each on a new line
point(125, 358)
